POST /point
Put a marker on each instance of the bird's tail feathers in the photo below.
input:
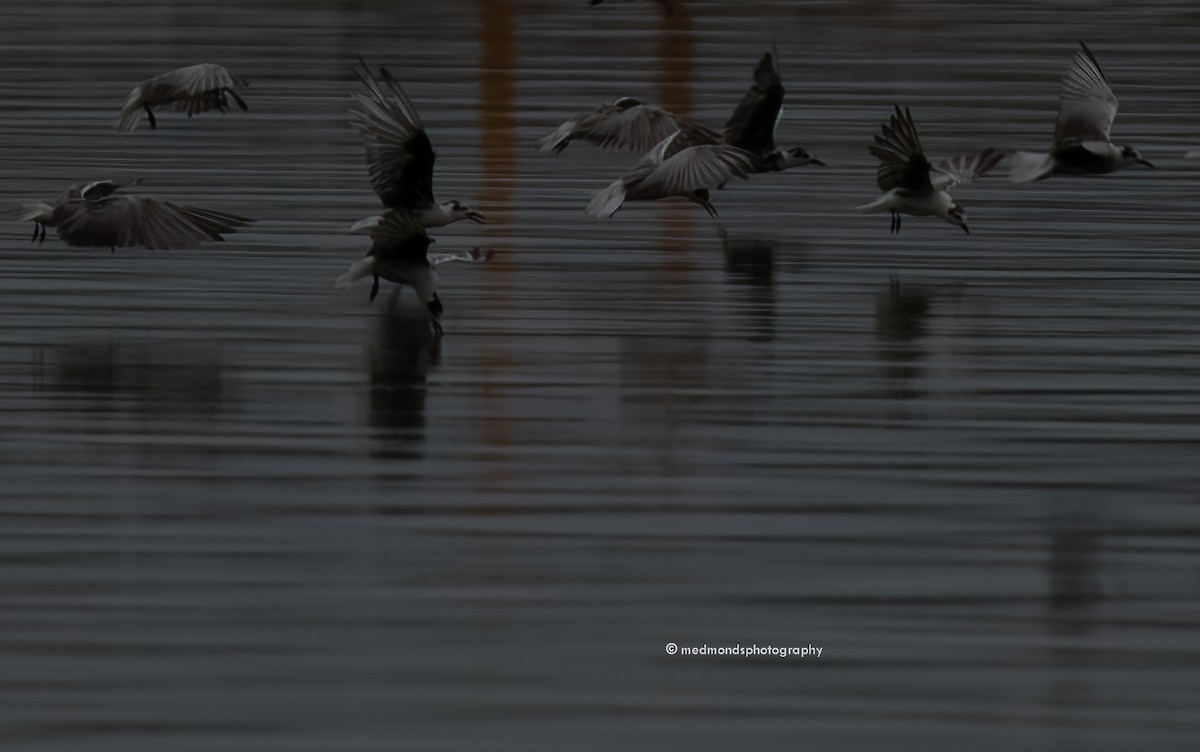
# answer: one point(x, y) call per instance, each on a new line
point(557, 139)
point(473, 256)
point(365, 226)
point(883, 203)
point(605, 203)
point(364, 267)
point(37, 211)
point(1028, 166)
point(131, 112)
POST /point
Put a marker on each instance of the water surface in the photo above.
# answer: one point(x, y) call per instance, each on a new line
point(244, 511)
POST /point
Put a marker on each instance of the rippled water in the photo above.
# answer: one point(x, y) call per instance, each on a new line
point(244, 511)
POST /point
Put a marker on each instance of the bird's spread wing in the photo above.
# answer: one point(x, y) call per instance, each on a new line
point(675, 142)
point(196, 88)
point(631, 124)
point(473, 256)
point(198, 79)
point(399, 235)
point(902, 162)
point(698, 168)
point(127, 221)
point(193, 89)
point(752, 125)
point(692, 133)
point(1087, 105)
point(399, 154)
point(965, 167)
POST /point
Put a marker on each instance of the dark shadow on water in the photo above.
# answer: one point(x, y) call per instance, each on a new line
point(153, 379)
point(901, 310)
point(672, 10)
point(750, 270)
point(157, 404)
point(748, 261)
point(1075, 546)
point(403, 352)
point(900, 314)
point(1074, 543)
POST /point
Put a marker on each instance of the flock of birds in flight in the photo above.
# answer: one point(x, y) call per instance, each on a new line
point(681, 158)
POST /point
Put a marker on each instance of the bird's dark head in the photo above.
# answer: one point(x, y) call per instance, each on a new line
point(957, 215)
point(798, 156)
point(1130, 154)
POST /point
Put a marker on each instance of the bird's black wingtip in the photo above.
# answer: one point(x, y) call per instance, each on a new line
point(1087, 52)
point(363, 71)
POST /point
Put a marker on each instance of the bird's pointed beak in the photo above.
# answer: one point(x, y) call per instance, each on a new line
point(1146, 162)
point(477, 217)
point(961, 223)
point(817, 162)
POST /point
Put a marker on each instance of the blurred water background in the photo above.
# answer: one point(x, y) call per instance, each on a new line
point(243, 511)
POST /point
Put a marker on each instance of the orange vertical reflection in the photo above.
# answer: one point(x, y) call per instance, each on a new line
point(676, 52)
point(498, 114)
point(498, 164)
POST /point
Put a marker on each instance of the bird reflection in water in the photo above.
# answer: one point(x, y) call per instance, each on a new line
point(1075, 542)
point(403, 352)
point(900, 313)
point(750, 269)
point(1074, 560)
point(155, 380)
point(135, 395)
point(663, 380)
